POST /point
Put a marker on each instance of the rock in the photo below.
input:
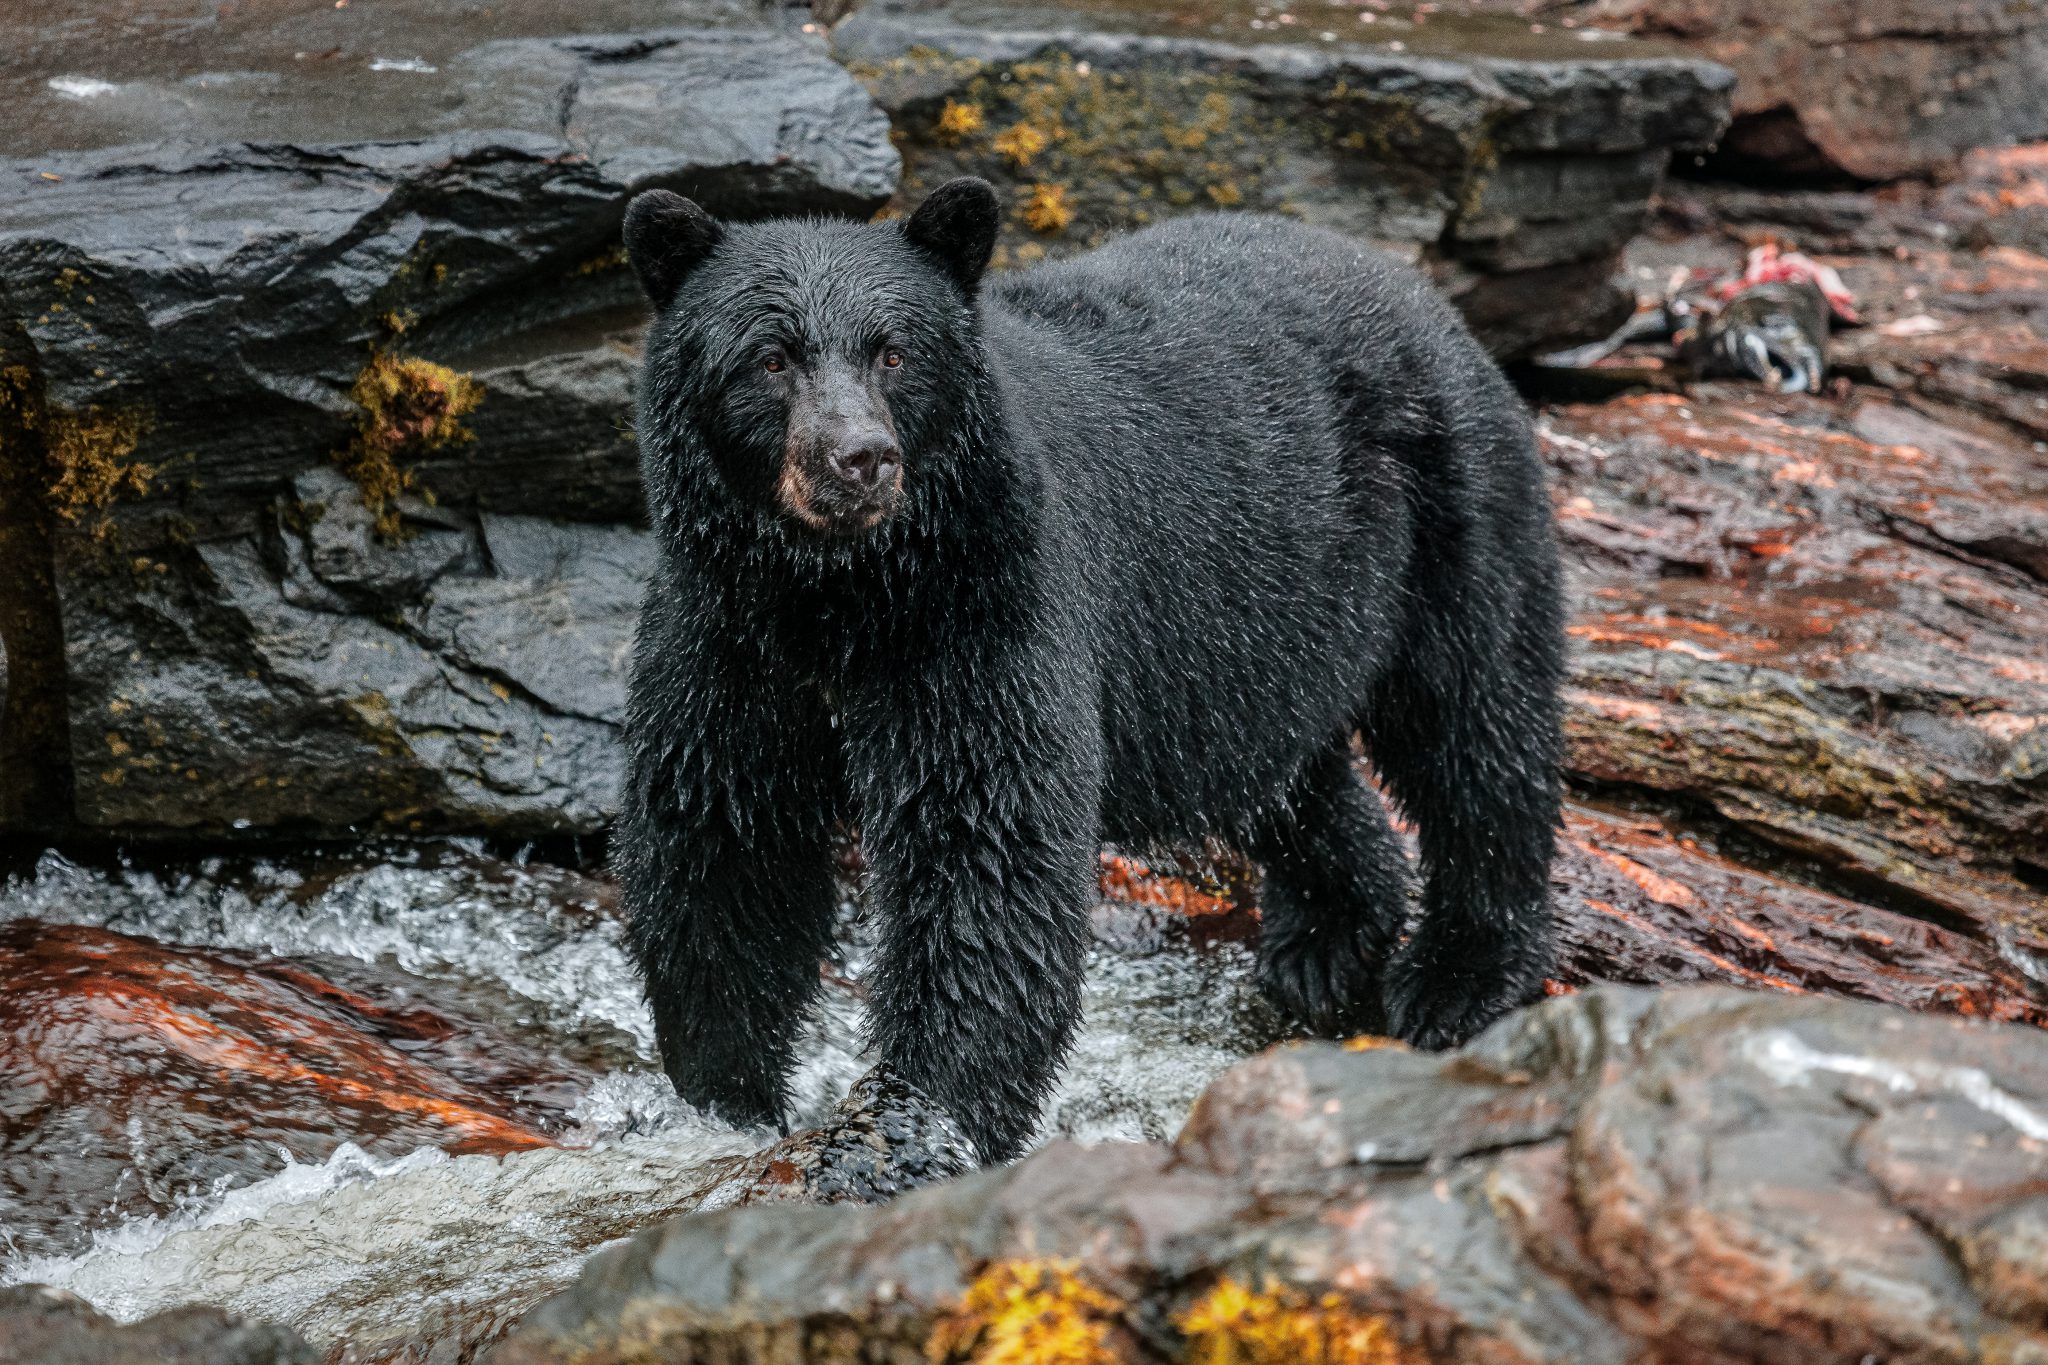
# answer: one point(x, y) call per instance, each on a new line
point(1515, 180)
point(1639, 902)
point(141, 1074)
point(262, 456)
point(1836, 87)
point(884, 1139)
point(1705, 1174)
point(44, 1326)
point(1820, 623)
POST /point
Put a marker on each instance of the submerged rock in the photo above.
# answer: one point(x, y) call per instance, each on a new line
point(43, 1326)
point(884, 1138)
point(1705, 1175)
point(141, 1076)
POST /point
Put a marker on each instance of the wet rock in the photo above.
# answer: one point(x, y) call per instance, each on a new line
point(885, 1138)
point(1516, 180)
point(1875, 92)
point(141, 1075)
point(43, 1326)
point(1704, 1175)
point(423, 314)
point(1640, 902)
point(1819, 622)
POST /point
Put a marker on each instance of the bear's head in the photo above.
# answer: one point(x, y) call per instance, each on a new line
point(818, 366)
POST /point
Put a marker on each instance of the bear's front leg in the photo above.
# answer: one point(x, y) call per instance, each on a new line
point(979, 788)
point(723, 853)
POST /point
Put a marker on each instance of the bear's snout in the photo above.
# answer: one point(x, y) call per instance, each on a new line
point(842, 466)
point(867, 462)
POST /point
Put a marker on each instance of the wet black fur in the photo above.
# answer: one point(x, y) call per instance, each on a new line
point(1178, 518)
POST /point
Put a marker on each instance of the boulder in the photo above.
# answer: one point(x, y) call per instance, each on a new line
point(318, 484)
point(44, 1326)
point(1516, 180)
point(1875, 92)
point(1704, 1175)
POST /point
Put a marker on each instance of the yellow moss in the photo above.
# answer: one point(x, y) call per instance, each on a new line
point(1027, 1312)
point(89, 457)
point(1019, 144)
point(1373, 1042)
point(1232, 1325)
point(407, 407)
point(1226, 194)
point(1046, 209)
point(957, 121)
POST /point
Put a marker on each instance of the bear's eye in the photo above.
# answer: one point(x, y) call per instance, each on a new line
point(892, 358)
point(772, 364)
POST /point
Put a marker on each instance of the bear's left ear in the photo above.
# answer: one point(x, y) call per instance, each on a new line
point(956, 225)
point(667, 236)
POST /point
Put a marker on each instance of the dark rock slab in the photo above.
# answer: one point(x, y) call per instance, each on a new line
point(198, 340)
point(1515, 179)
point(44, 1326)
point(1705, 1175)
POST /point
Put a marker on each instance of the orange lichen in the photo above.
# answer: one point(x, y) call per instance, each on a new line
point(1019, 144)
point(957, 121)
point(1047, 210)
point(1278, 1325)
point(406, 407)
point(1373, 1042)
point(1027, 1312)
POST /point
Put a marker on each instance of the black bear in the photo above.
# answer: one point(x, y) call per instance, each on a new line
point(1127, 547)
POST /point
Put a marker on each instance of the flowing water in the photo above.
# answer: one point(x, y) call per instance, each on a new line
point(345, 1225)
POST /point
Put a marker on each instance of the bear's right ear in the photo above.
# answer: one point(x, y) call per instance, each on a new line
point(956, 225)
point(667, 236)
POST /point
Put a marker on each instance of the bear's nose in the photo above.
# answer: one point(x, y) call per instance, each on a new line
point(868, 463)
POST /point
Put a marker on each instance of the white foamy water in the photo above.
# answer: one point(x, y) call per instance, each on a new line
point(360, 1250)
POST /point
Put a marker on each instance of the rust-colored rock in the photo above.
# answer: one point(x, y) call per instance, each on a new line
point(1821, 622)
point(1702, 1176)
point(136, 1073)
point(1637, 903)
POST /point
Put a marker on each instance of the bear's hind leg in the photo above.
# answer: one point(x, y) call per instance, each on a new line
point(1334, 897)
point(1467, 738)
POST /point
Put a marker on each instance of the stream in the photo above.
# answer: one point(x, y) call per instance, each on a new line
point(395, 1098)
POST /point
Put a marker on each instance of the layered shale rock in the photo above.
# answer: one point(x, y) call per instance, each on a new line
point(318, 479)
point(1514, 179)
